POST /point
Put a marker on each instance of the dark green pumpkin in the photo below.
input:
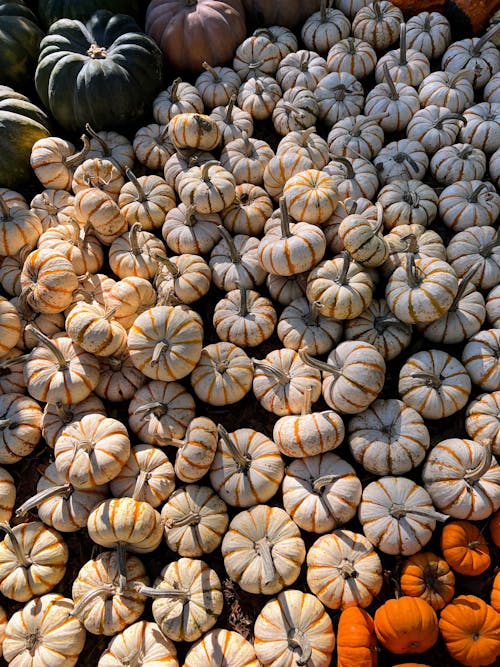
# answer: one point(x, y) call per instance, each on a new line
point(106, 72)
point(21, 124)
point(19, 41)
point(51, 11)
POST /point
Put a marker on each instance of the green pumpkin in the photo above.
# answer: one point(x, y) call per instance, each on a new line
point(50, 11)
point(21, 124)
point(106, 72)
point(19, 41)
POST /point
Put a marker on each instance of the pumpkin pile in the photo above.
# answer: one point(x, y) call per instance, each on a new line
point(249, 336)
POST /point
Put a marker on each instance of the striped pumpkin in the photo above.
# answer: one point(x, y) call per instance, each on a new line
point(294, 627)
point(459, 162)
point(208, 189)
point(59, 371)
point(302, 325)
point(256, 55)
point(165, 342)
point(297, 110)
point(147, 475)
point(93, 328)
point(481, 358)
point(185, 278)
point(49, 280)
point(134, 253)
point(379, 327)
point(463, 479)
point(92, 451)
point(353, 56)
point(493, 307)
point(291, 248)
point(396, 102)
point(128, 298)
point(263, 550)
point(101, 603)
point(98, 173)
point(194, 586)
point(186, 231)
point(19, 227)
point(358, 135)
point(362, 239)
point(481, 420)
point(50, 616)
point(223, 374)
point(7, 495)
point(237, 651)
point(353, 177)
point(101, 212)
point(343, 570)
point(179, 97)
point(33, 560)
point(20, 427)
point(194, 130)
point(10, 326)
point(477, 247)
point(59, 504)
point(397, 515)
point(119, 379)
point(76, 243)
point(353, 376)
point(195, 520)
point(54, 161)
point(321, 492)
point(146, 200)
point(197, 451)
point(309, 433)
point(389, 438)
point(408, 203)
point(341, 286)
point(152, 146)
point(434, 383)
point(143, 640)
point(245, 157)
point(247, 468)
point(281, 380)
point(125, 523)
point(465, 204)
point(160, 411)
point(234, 262)
point(427, 576)
point(311, 196)
point(249, 211)
point(213, 87)
point(307, 143)
point(244, 317)
point(281, 168)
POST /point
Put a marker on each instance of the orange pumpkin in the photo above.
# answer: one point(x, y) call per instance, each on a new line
point(495, 593)
point(471, 631)
point(495, 528)
point(425, 575)
point(406, 625)
point(465, 548)
point(356, 641)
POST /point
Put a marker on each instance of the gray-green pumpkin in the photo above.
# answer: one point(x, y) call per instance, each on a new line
point(19, 41)
point(51, 11)
point(105, 72)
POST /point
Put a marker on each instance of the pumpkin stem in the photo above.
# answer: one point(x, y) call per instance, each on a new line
point(278, 373)
point(190, 219)
point(121, 552)
point(156, 407)
point(381, 323)
point(133, 239)
point(403, 60)
point(316, 363)
point(351, 46)
point(4, 211)
point(477, 47)
point(350, 206)
point(235, 255)
point(448, 117)
point(393, 91)
point(306, 401)
point(461, 74)
point(399, 511)
point(314, 313)
point(411, 271)
point(242, 461)
point(298, 640)
point(104, 145)
point(104, 590)
point(76, 159)
point(178, 593)
point(166, 262)
point(190, 519)
point(174, 96)
point(49, 344)
point(476, 192)
point(64, 412)
point(347, 570)
point(141, 481)
point(322, 9)
point(285, 219)
point(21, 556)
point(247, 144)
point(430, 379)
point(380, 218)
point(348, 166)
point(64, 490)
point(96, 52)
point(243, 312)
point(136, 183)
point(210, 69)
point(5, 423)
point(474, 474)
point(320, 483)
point(7, 363)
point(159, 349)
point(464, 283)
point(377, 11)
point(26, 311)
point(263, 548)
point(229, 110)
point(265, 32)
point(346, 263)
